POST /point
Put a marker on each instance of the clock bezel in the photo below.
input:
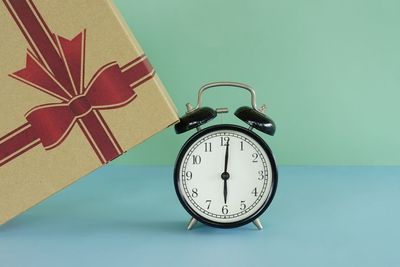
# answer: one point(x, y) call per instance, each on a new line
point(194, 138)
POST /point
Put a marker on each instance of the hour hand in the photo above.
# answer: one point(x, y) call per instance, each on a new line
point(225, 177)
point(225, 190)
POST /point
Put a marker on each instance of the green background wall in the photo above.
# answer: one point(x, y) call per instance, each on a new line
point(329, 72)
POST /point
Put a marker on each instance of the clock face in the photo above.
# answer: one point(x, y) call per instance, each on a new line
point(225, 176)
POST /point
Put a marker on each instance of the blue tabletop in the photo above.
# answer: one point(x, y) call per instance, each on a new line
point(130, 216)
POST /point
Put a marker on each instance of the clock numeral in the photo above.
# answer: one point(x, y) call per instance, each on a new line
point(207, 147)
point(195, 192)
point(208, 201)
point(241, 145)
point(189, 175)
point(255, 157)
point(225, 209)
point(254, 192)
point(261, 175)
point(242, 205)
point(224, 140)
point(196, 159)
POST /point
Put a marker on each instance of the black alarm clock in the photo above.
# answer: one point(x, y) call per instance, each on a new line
point(225, 175)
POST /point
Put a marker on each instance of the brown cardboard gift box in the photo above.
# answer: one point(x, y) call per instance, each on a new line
point(76, 91)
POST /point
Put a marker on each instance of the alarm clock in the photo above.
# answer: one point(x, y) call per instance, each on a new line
point(225, 175)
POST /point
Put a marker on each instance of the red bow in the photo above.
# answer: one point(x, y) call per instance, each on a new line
point(55, 66)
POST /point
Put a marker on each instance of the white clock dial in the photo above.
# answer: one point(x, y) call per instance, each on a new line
point(231, 195)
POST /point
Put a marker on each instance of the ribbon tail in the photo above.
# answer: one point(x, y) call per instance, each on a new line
point(40, 39)
point(17, 142)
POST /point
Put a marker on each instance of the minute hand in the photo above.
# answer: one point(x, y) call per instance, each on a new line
point(226, 156)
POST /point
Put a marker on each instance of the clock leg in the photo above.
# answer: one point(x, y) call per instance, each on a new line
point(258, 224)
point(191, 223)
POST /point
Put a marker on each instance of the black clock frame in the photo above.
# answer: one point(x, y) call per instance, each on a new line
point(193, 139)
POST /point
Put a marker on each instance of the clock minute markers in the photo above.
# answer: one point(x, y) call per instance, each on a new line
point(225, 175)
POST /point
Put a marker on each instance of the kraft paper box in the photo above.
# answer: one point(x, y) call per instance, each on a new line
point(76, 91)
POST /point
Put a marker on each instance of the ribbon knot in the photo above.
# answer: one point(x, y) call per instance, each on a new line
point(79, 106)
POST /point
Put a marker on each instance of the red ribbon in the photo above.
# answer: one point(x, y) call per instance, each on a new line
point(55, 66)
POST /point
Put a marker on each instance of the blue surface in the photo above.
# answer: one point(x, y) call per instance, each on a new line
point(130, 216)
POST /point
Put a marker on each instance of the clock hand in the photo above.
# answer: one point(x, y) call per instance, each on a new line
point(225, 175)
point(225, 190)
point(226, 156)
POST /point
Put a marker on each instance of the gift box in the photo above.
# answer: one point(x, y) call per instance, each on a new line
point(76, 92)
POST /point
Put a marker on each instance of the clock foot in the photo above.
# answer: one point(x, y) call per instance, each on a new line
point(258, 224)
point(191, 223)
